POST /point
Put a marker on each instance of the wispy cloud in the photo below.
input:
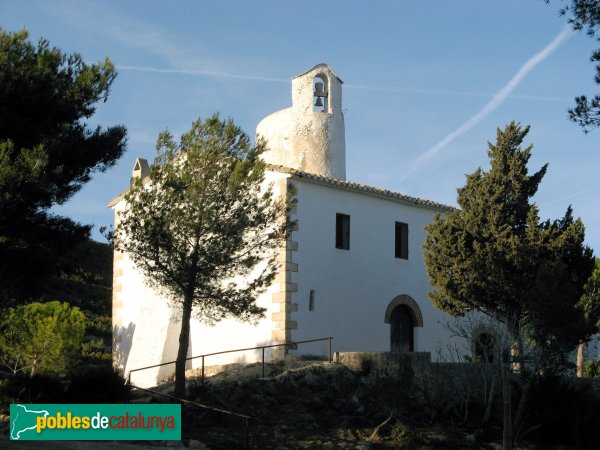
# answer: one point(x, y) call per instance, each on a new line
point(206, 73)
point(171, 49)
point(408, 90)
point(100, 18)
point(197, 61)
point(499, 98)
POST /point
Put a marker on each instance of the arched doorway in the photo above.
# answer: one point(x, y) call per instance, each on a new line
point(485, 343)
point(403, 314)
point(402, 334)
point(484, 347)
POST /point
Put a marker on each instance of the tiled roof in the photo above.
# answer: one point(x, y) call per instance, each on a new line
point(356, 187)
point(122, 195)
point(340, 184)
point(117, 199)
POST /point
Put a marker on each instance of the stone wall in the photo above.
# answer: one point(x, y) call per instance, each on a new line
point(434, 381)
point(442, 384)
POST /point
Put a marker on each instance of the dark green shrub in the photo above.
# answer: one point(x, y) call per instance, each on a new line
point(99, 326)
point(22, 388)
point(562, 411)
point(366, 367)
point(42, 338)
point(592, 369)
point(95, 351)
point(97, 384)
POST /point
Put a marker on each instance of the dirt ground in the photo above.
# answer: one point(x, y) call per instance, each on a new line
point(303, 405)
point(307, 405)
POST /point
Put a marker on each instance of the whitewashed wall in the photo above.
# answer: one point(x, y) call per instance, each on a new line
point(146, 327)
point(354, 287)
point(143, 333)
point(307, 140)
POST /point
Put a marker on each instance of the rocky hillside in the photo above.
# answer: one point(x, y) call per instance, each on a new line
point(321, 405)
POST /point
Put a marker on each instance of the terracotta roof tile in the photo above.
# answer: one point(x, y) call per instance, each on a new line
point(341, 184)
point(356, 187)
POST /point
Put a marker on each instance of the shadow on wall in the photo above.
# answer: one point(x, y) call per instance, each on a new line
point(171, 348)
point(303, 351)
point(122, 339)
point(255, 355)
point(234, 357)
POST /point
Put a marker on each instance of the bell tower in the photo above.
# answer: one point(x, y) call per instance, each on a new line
point(309, 136)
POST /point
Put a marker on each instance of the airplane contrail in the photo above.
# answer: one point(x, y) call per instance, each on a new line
point(202, 72)
point(408, 90)
point(495, 102)
point(569, 197)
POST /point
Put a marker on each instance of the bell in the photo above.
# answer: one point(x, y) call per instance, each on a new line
point(319, 92)
point(319, 102)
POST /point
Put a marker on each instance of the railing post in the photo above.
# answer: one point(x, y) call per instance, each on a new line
point(247, 432)
point(284, 345)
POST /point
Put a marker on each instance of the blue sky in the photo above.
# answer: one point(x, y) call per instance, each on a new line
point(426, 83)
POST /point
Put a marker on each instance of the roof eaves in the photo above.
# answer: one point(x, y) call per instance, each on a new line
point(356, 187)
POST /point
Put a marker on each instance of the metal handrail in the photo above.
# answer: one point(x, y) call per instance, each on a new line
point(263, 347)
point(212, 408)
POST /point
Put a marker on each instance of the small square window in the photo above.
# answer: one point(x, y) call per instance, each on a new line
point(401, 244)
point(342, 231)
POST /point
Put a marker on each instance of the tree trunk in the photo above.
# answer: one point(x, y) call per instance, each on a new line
point(520, 415)
point(513, 333)
point(490, 400)
point(33, 366)
point(580, 349)
point(184, 340)
point(506, 402)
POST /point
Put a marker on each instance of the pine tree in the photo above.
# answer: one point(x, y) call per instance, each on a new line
point(590, 304)
point(41, 337)
point(47, 153)
point(202, 221)
point(585, 15)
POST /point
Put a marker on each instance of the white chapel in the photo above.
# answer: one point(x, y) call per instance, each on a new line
point(353, 268)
